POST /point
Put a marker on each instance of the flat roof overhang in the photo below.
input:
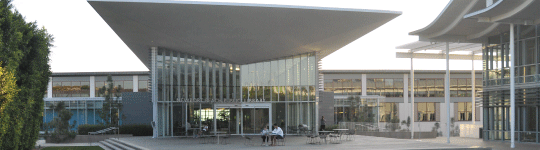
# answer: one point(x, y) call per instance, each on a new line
point(509, 11)
point(234, 32)
point(470, 21)
point(450, 26)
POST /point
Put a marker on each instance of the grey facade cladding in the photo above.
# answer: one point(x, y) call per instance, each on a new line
point(326, 107)
point(137, 107)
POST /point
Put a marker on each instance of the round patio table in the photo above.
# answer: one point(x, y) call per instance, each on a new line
point(325, 133)
point(340, 131)
point(217, 134)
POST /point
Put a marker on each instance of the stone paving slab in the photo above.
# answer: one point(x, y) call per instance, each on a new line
point(476, 142)
point(292, 143)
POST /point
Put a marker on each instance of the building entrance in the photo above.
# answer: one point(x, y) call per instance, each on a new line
point(244, 118)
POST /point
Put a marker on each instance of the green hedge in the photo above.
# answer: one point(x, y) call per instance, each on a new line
point(85, 128)
point(135, 130)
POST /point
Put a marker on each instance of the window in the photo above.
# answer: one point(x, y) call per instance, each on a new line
point(127, 86)
point(426, 111)
point(143, 86)
point(385, 87)
point(388, 112)
point(464, 111)
point(71, 89)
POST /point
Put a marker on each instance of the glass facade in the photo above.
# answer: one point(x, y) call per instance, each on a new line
point(343, 86)
point(239, 99)
point(496, 101)
point(75, 92)
point(71, 89)
point(459, 87)
point(357, 109)
point(84, 111)
point(426, 111)
point(385, 87)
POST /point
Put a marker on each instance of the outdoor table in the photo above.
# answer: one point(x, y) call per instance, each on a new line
point(326, 133)
point(194, 131)
point(340, 131)
point(217, 134)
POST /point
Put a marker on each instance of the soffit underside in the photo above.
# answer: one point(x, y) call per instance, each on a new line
point(236, 34)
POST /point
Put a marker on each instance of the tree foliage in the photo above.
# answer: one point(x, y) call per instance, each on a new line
point(24, 57)
point(110, 113)
point(60, 124)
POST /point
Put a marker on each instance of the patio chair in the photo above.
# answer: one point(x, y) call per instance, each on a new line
point(311, 139)
point(225, 138)
point(321, 137)
point(248, 141)
point(335, 138)
point(350, 136)
point(203, 139)
point(282, 141)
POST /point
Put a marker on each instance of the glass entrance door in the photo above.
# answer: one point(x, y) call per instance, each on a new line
point(245, 118)
point(254, 119)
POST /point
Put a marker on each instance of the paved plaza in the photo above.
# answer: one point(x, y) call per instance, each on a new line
point(293, 143)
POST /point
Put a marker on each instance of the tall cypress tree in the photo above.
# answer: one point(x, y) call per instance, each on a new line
point(24, 57)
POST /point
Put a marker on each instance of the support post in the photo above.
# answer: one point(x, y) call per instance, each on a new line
point(215, 123)
point(447, 92)
point(473, 95)
point(153, 53)
point(412, 99)
point(512, 88)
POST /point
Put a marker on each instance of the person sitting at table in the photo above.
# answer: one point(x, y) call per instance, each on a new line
point(264, 132)
point(204, 129)
point(278, 134)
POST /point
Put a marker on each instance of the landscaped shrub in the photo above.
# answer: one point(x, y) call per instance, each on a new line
point(85, 128)
point(136, 130)
point(331, 127)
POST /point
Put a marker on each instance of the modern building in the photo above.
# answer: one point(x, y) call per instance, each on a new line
point(506, 34)
point(236, 67)
point(390, 90)
point(79, 92)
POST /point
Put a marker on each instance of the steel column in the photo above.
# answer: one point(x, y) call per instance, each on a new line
point(447, 92)
point(473, 95)
point(412, 99)
point(512, 88)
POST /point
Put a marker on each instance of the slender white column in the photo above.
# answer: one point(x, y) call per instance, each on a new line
point(136, 83)
point(154, 91)
point(92, 86)
point(49, 88)
point(447, 92)
point(406, 89)
point(412, 100)
point(473, 95)
point(512, 88)
point(364, 83)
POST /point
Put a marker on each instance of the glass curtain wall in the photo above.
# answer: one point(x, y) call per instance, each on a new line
point(496, 102)
point(84, 111)
point(188, 87)
point(289, 84)
point(358, 109)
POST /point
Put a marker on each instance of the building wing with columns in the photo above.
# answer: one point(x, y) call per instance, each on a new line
point(504, 34)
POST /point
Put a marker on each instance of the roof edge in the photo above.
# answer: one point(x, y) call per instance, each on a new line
point(470, 15)
point(416, 32)
point(253, 5)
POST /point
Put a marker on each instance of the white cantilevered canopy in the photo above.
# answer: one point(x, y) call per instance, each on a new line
point(236, 32)
point(437, 50)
